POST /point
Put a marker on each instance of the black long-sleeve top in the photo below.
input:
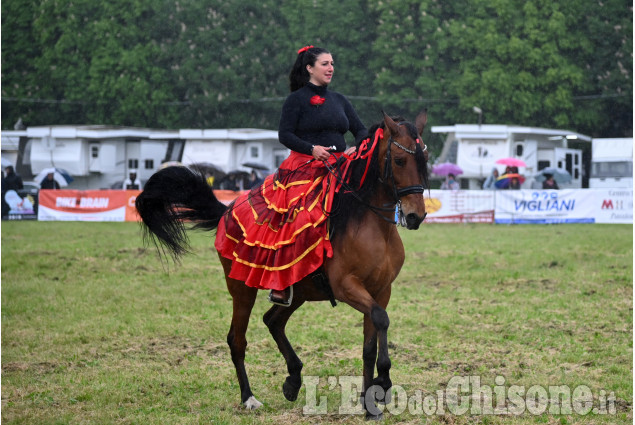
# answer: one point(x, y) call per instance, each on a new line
point(303, 125)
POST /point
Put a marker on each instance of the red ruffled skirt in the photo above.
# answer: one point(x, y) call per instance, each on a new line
point(277, 233)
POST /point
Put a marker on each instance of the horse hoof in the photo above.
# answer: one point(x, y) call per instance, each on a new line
point(387, 398)
point(386, 386)
point(371, 417)
point(252, 403)
point(289, 390)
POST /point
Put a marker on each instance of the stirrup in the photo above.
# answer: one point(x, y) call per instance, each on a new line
point(282, 302)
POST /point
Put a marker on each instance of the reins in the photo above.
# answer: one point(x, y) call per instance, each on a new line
point(388, 175)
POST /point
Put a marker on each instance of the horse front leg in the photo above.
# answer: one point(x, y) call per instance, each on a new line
point(276, 320)
point(375, 349)
point(376, 390)
point(379, 319)
point(369, 353)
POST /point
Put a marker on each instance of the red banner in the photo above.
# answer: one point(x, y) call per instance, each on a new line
point(82, 205)
point(98, 205)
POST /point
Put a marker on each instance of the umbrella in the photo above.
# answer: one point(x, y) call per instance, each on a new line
point(447, 168)
point(170, 164)
point(61, 176)
point(512, 162)
point(255, 165)
point(560, 175)
point(503, 181)
point(207, 168)
point(235, 180)
point(211, 172)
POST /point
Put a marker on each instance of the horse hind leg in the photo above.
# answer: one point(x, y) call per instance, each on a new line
point(244, 298)
point(276, 319)
point(237, 341)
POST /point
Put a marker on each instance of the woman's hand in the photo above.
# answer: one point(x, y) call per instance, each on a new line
point(321, 153)
point(350, 150)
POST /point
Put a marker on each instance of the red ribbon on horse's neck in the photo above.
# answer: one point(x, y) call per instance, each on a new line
point(364, 152)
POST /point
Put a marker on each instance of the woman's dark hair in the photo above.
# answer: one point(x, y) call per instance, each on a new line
point(299, 76)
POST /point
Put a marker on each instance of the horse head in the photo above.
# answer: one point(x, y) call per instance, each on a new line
point(403, 167)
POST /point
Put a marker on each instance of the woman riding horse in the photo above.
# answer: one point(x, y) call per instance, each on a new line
point(322, 224)
point(277, 235)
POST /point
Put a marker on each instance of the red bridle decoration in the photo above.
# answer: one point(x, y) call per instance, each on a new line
point(364, 152)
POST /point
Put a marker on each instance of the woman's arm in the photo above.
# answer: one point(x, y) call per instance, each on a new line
point(289, 119)
point(355, 126)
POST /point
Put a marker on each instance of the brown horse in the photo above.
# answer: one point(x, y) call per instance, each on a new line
point(367, 249)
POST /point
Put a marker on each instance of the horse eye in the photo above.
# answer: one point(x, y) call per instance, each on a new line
point(400, 162)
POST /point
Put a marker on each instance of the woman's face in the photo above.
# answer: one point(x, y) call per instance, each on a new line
point(322, 72)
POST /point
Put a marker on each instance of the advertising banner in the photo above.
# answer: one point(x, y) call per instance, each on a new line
point(564, 206)
point(443, 206)
point(459, 206)
point(612, 205)
point(226, 196)
point(98, 205)
point(19, 205)
point(131, 210)
point(82, 205)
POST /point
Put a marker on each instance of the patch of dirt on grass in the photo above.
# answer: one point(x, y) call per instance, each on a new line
point(40, 368)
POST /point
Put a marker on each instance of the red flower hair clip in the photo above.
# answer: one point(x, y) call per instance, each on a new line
point(304, 49)
point(317, 100)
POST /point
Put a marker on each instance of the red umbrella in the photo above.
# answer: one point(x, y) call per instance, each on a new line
point(512, 162)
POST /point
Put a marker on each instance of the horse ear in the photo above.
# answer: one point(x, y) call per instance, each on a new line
point(390, 124)
point(421, 120)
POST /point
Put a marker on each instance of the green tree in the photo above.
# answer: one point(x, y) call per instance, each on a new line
point(213, 63)
point(522, 62)
point(347, 30)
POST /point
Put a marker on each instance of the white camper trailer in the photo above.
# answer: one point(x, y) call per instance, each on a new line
point(612, 163)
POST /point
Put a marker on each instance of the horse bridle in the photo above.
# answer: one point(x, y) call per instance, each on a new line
point(388, 174)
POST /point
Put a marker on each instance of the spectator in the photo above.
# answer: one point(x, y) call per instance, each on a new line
point(254, 180)
point(549, 182)
point(132, 182)
point(450, 183)
point(49, 182)
point(490, 182)
point(11, 181)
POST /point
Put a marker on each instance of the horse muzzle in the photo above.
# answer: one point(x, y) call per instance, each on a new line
point(413, 220)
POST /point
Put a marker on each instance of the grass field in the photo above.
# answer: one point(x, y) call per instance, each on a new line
point(95, 330)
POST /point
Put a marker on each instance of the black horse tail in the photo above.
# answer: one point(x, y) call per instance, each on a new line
point(171, 198)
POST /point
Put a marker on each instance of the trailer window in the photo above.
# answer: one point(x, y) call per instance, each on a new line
point(612, 169)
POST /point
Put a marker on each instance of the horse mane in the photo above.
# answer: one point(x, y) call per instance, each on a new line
point(349, 205)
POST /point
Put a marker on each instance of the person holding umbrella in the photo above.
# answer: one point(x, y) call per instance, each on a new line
point(53, 178)
point(514, 184)
point(49, 182)
point(450, 183)
point(549, 182)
